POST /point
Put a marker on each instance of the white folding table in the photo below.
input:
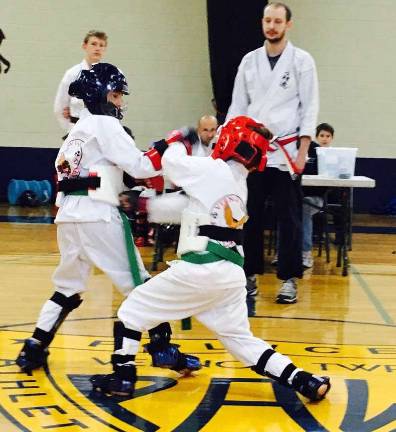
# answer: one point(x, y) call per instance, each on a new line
point(347, 186)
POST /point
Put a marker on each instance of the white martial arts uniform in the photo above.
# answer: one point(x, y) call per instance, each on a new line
point(285, 99)
point(63, 100)
point(90, 232)
point(215, 292)
point(199, 149)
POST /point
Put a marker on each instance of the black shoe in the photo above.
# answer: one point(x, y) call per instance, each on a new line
point(251, 286)
point(32, 356)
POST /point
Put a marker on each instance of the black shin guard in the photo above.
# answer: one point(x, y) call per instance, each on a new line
point(122, 381)
point(160, 336)
point(262, 362)
point(260, 368)
point(120, 332)
point(305, 383)
point(67, 304)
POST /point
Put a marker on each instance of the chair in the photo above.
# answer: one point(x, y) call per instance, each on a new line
point(324, 229)
point(165, 235)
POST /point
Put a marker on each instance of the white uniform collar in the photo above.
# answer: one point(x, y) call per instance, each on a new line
point(84, 113)
point(85, 65)
point(237, 167)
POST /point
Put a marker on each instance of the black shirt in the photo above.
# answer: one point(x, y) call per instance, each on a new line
point(273, 60)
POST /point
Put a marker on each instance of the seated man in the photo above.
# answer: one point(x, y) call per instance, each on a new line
point(208, 282)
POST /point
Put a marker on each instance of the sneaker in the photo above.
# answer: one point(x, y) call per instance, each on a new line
point(274, 262)
point(251, 286)
point(307, 259)
point(288, 292)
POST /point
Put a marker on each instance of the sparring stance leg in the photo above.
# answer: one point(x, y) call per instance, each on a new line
point(55, 310)
point(229, 320)
point(122, 381)
point(281, 369)
point(167, 355)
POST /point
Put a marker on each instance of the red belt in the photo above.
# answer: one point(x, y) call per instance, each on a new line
point(282, 141)
point(280, 145)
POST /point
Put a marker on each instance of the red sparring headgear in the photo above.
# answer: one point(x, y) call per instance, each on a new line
point(244, 140)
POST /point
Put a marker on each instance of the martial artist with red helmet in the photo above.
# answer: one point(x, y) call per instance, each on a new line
point(208, 281)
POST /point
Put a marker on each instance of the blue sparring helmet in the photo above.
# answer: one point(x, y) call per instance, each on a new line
point(93, 85)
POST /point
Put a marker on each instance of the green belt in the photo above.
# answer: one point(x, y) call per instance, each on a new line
point(83, 192)
point(216, 252)
point(137, 280)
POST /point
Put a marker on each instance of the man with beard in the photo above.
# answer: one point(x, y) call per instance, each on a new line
point(201, 138)
point(277, 85)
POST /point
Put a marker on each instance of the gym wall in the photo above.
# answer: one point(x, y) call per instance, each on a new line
point(162, 47)
point(353, 45)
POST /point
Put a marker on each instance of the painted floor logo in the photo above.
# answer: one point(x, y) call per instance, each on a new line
point(223, 396)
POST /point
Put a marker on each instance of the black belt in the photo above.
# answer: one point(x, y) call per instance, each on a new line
point(84, 183)
point(221, 233)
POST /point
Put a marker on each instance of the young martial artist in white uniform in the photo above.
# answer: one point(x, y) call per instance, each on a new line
point(91, 231)
point(277, 85)
point(67, 108)
point(208, 282)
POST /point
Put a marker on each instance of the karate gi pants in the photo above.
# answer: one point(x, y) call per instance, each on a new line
point(213, 293)
point(83, 245)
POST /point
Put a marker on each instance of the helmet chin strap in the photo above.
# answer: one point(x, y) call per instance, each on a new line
point(105, 108)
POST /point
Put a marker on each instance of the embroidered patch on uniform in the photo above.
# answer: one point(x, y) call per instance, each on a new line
point(284, 83)
point(229, 211)
point(68, 161)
